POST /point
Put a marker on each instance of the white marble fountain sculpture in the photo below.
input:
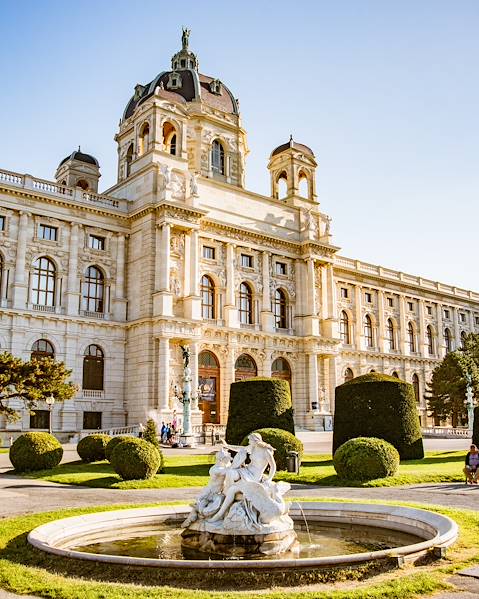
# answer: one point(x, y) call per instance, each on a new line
point(241, 512)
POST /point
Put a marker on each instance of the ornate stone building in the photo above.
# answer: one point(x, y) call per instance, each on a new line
point(178, 251)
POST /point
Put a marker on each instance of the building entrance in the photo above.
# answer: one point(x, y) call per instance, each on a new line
point(209, 384)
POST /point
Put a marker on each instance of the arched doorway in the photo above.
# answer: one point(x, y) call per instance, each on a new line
point(245, 368)
point(280, 369)
point(209, 384)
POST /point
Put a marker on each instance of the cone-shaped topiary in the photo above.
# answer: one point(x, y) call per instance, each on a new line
point(258, 403)
point(112, 443)
point(366, 458)
point(382, 406)
point(282, 441)
point(150, 433)
point(136, 459)
point(92, 448)
point(35, 451)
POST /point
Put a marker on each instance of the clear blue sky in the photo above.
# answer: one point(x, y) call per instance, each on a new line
point(387, 95)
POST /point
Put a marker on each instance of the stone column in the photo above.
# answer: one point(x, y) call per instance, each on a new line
point(358, 316)
point(164, 374)
point(73, 285)
point(192, 301)
point(162, 299)
point(402, 325)
point(3, 287)
point(20, 285)
point(267, 318)
point(441, 350)
point(119, 302)
point(381, 327)
point(194, 377)
point(313, 382)
point(231, 311)
point(422, 345)
point(194, 264)
point(457, 331)
point(311, 321)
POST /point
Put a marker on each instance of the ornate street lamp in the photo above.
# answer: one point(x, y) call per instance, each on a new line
point(469, 403)
point(50, 401)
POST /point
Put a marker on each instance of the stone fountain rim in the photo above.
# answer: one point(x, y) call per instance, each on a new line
point(49, 537)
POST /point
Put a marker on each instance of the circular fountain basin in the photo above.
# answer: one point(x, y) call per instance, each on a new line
point(433, 533)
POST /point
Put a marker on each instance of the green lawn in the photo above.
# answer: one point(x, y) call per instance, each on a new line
point(4, 450)
point(24, 570)
point(192, 471)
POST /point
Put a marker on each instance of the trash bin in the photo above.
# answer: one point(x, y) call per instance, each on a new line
point(292, 461)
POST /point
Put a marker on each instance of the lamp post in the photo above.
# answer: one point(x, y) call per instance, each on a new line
point(50, 401)
point(184, 396)
point(469, 403)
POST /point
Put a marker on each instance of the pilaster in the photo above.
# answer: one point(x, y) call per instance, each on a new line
point(230, 310)
point(73, 283)
point(162, 299)
point(20, 290)
point(192, 303)
point(267, 317)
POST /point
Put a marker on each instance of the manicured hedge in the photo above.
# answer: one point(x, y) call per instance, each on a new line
point(136, 459)
point(378, 405)
point(35, 451)
point(366, 458)
point(258, 403)
point(112, 443)
point(92, 448)
point(282, 441)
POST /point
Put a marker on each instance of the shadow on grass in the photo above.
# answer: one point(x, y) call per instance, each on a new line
point(188, 470)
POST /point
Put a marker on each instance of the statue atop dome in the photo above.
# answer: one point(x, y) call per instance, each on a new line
point(185, 37)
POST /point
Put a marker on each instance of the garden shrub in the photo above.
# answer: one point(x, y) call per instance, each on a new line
point(135, 459)
point(258, 403)
point(282, 441)
point(150, 433)
point(35, 451)
point(382, 406)
point(366, 458)
point(92, 448)
point(112, 443)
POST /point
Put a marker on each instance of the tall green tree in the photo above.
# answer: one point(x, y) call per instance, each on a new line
point(32, 381)
point(446, 393)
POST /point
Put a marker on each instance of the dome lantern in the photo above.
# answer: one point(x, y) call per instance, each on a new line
point(184, 59)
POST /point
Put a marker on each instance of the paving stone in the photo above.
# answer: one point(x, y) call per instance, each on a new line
point(474, 572)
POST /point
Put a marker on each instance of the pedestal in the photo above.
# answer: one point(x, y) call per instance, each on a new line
point(188, 440)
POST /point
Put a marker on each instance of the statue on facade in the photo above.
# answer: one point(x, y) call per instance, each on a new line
point(185, 37)
point(193, 184)
point(241, 506)
point(327, 228)
point(185, 353)
point(165, 171)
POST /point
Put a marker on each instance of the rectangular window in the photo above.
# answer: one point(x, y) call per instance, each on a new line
point(47, 232)
point(208, 252)
point(92, 420)
point(246, 261)
point(344, 292)
point(281, 268)
point(476, 320)
point(97, 243)
point(429, 310)
point(368, 297)
point(40, 419)
point(2, 223)
point(390, 302)
point(410, 306)
point(446, 314)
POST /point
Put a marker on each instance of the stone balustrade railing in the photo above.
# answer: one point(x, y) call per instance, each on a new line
point(132, 430)
point(76, 194)
point(362, 267)
point(446, 432)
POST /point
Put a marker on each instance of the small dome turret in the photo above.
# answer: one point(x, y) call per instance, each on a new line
point(79, 170)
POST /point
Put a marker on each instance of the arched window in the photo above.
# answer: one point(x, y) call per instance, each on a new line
point(217, 158)
point(303, 185)
point(411, 338)
point(207, 298)
point(447, 340)
point(129, 159)
point(395, 374)
point(83, 184)
point(390, 336)
point(43, 282)
point(42, 349)
point(93, 368)
point(170, 139)
point(348, 375)
point(209, 384)
point(246, 304)
point(415, 384)
point(280, 369)
point(279, 309)
point(144, 139)
point(368, 331)
point(430, 340)
point(344, 328)
point(94, 290)
point(282, 185)
point(245, 368)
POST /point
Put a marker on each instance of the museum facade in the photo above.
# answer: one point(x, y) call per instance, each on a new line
point(179, 252)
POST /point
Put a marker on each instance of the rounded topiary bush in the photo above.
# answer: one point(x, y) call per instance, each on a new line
point(282, 441)
point(135, 459)
point(382, 406)
point(92, 448)
point(35, 451)
point(112, 443)
point(366, 458)
point(258, 402)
